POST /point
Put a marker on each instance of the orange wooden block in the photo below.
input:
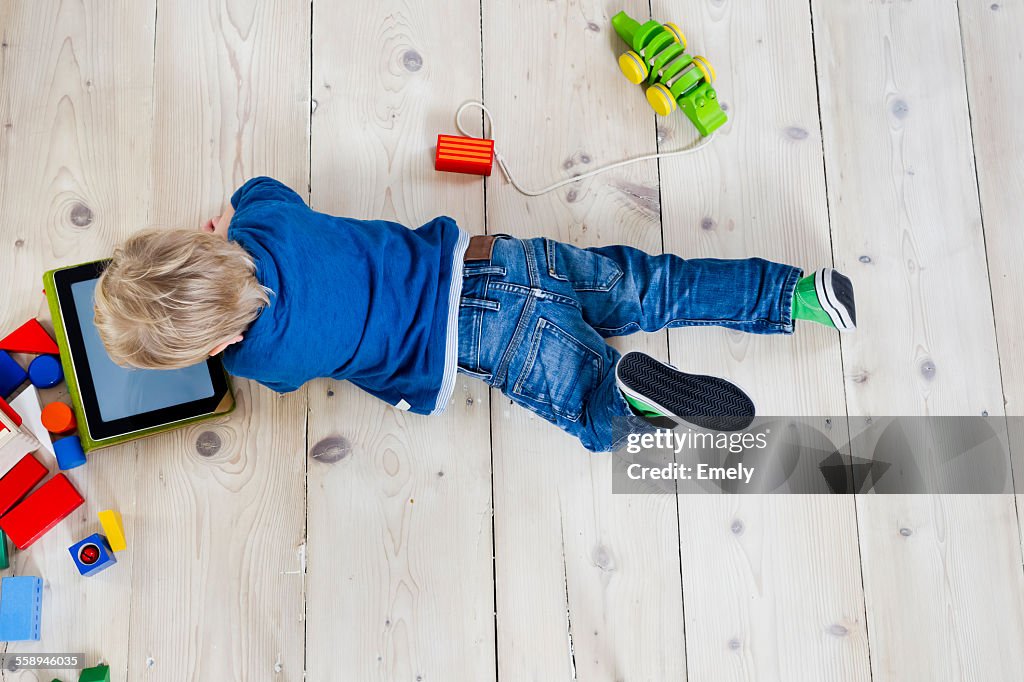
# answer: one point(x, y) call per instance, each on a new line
point(58, 418)
point(457, 154)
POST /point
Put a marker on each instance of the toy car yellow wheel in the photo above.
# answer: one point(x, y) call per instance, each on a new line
point(677, 33)
point(661, 99)
point(705, 67)
point(633, 67)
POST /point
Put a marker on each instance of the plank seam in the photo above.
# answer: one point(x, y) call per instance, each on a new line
point(842, 355)
point(988, 270)
point(668, 355)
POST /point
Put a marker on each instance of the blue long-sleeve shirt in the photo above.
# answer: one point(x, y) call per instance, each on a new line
point(370, 301)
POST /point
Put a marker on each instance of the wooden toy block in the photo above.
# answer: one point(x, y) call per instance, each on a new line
point(15, 442)
point(113, 527)
point(99, 673)
point(92, 555)
point(58, 418)
point(11, 413)
point(11, 375)
point(27, 405)
point(69, 453)
point(30, 338)
point(40, 511)
point(45, 372)
point(5, 557)
point(20, 601)
point(457, 154)
point(16, 483)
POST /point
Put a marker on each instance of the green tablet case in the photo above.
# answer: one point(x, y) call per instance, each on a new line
point(225, 407)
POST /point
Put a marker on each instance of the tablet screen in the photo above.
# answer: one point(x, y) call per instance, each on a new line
point(122, 392)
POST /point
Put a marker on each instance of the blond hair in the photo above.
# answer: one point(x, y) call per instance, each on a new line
point(169, 297)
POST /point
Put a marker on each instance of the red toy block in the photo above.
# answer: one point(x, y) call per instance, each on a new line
point(457, 154)
point(30, 338)
point(40, 511)
point(16, 483)
point(11, 414)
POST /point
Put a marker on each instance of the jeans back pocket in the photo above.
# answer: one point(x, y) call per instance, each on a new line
point(583, 269)
point(559, 373)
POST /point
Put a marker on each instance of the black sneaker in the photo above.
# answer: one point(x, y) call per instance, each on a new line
point(658, 391)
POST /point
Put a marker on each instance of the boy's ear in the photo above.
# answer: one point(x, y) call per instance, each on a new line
point(221, 347)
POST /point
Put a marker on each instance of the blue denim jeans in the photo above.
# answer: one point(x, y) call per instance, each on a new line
point(533, 320)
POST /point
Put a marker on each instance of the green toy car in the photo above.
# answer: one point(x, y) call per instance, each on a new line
point(676, 79)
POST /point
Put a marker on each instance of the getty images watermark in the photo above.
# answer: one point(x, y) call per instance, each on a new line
point(676, 442)
point(811, 455)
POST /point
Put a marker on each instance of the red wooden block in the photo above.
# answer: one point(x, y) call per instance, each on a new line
point(40, 511)
point(30, 338)
point(16, 483)
point(457, 154)
point(11, 414)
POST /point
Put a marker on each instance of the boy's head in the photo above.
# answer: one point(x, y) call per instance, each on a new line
point(171, 298)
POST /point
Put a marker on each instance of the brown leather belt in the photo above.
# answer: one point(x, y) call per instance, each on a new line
point(480, 247)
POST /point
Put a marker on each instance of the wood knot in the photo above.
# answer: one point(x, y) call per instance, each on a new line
point(331, 449)
point(796, 133)
point(865, 259)
point(737, 527)
point(837, 630)
point(906, 532)
point(735, 644)
point(663, 133)
point(412, 60)
point(572, 196)
point(899, 109)
point(928, 369)
point(80, 215)
point(994, 7)
point(18, 243)
point(603, 559)
point(708, 223)
point(208, 444)
point(592, 26)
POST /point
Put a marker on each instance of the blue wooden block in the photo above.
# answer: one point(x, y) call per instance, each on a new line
point(93, 554)
point(20, 601)
point(69, 453)
point(11, 375)
point(45, 371)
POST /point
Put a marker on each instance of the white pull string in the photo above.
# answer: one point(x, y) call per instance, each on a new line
point(503, 165)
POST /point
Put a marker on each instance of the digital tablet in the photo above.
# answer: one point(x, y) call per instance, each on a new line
point(113, 403)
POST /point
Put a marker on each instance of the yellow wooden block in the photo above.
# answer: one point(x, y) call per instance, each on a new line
point(113, 529)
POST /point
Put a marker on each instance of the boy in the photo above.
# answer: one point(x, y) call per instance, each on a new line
point(289, 294)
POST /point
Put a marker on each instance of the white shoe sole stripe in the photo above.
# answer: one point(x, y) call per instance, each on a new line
point(829, 301)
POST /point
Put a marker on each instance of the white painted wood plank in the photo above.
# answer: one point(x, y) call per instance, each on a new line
point(75, 106)
point(219, 532)
point(400, 572)
point(992, 34)
point(771, 584)
point(587, 582)
point(943, 580)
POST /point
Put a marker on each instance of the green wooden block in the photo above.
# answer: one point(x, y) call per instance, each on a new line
point(5, 558)
point(100, 673)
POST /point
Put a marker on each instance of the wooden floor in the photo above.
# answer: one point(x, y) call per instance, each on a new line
point(324, 534)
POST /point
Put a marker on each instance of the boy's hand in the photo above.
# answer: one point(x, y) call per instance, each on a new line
point(218, 225)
